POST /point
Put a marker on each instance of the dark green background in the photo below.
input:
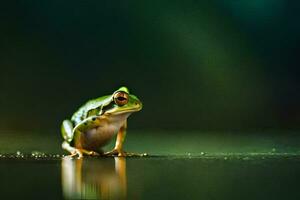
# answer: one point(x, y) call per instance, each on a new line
point(205, 65)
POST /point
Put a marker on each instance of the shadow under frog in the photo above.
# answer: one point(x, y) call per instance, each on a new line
point(94, 178)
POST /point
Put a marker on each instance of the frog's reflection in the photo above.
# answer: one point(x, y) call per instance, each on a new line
point(94, 178)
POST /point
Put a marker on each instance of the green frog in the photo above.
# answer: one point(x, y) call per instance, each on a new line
point(95, 123)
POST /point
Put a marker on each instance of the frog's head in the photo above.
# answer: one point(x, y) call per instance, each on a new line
point(124, 102)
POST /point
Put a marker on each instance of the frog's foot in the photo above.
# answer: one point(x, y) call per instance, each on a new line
point(76, 152)
point(91, 153)
point(81, 152)
point(121, 153)
point(114, 152)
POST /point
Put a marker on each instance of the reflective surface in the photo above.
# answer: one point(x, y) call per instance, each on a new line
point(94, 178)
point(148, 178)
point(201, 166)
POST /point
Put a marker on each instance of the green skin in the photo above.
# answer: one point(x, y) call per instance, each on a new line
point(97, 122)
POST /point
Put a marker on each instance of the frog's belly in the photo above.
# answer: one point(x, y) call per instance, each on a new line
point(96, 138)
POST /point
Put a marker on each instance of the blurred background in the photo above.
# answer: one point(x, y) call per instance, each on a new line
point(207, 65)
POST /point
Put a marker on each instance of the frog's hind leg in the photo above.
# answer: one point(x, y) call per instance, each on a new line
point(67, 130)
point(68, 135)
point(66, 146)
point(78, 152)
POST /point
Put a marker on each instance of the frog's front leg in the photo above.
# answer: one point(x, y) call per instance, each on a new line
point(70, 134)
point(118, 149)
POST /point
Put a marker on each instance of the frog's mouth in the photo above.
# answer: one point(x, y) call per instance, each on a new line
point(121, 110)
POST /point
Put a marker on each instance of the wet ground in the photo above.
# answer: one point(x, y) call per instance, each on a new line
point(181, 165)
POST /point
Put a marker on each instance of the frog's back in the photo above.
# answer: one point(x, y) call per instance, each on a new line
point(81, 113)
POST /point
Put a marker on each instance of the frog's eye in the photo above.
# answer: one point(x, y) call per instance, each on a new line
point(121, 98)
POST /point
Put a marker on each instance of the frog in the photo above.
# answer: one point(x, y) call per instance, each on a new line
point(97, 121)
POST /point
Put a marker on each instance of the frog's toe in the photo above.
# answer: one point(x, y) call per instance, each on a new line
point(77, 152)
point(114, 152)
point(122, 154)
point(93, 153)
